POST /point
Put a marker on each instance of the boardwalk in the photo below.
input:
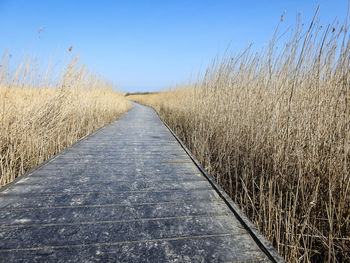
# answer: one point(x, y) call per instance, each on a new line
point(128, 193)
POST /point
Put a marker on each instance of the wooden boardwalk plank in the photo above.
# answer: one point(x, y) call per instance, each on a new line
point(128, 193)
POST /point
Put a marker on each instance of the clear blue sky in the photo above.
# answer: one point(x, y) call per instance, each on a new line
point(147, 45)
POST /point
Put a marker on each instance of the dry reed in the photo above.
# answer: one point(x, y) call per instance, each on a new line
point(273, 129)
point(41, 115)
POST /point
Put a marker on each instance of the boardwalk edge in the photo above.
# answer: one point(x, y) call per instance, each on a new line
point(261, 241)
point(8, 186)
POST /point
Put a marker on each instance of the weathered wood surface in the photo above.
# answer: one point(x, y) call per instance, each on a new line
point(128, 193)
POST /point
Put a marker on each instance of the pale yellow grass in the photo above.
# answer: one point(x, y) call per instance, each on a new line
point(273, 129)
point(39, 119)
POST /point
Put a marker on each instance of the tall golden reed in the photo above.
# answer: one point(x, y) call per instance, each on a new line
point(273, 128)
point(41, 115)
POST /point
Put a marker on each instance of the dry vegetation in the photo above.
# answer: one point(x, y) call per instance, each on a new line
point(40, 116)
point(273, 129)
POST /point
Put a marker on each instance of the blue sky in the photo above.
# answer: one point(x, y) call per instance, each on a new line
point(147, 45)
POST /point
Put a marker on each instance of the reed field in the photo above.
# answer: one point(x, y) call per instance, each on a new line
point(41, 114)
point(273, 128)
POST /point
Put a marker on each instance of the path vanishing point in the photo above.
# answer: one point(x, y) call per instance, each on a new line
point(128, 193)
